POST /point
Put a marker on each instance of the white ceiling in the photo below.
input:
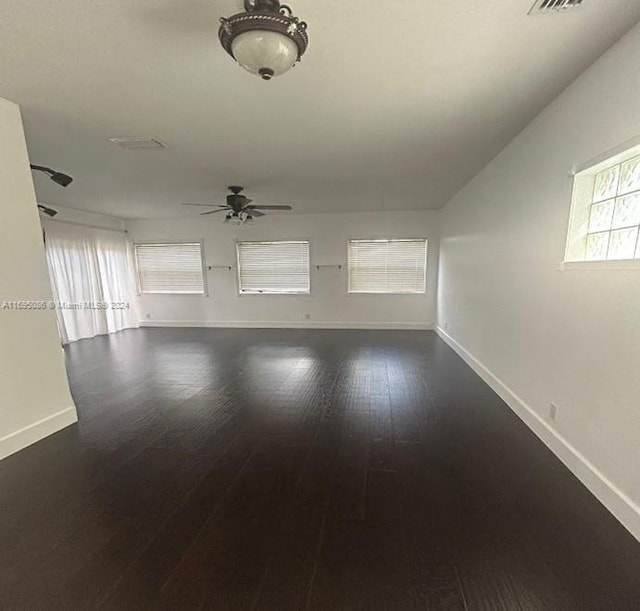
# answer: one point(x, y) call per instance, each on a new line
point(395, 106)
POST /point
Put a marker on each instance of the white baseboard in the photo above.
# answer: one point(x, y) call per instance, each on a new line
point(615, 500)
point(18, 440)
point(287, 325)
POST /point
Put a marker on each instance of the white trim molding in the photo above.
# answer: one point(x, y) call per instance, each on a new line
point(600, 266)
point(20, 439)
point(305, 324)
point(615, 500)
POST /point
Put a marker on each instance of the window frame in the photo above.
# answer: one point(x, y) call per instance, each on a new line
point(239, 292)
point(386, 239)
point(583, 183)
point(205, 284)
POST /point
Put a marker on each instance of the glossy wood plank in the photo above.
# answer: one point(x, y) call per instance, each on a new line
point(283, 470)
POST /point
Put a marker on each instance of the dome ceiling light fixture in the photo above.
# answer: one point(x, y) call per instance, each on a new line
point(267, 39)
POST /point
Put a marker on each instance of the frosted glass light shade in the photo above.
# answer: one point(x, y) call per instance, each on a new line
point(265, 53)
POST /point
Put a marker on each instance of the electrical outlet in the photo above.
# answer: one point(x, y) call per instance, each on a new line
point(553, 411)
point(147, 316)
point(307, 316)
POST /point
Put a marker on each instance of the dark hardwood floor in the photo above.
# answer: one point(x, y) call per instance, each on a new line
point(298, 470)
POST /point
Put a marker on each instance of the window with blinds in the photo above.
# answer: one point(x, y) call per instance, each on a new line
point(388, 266)
point(274, 268)
point(170, 268)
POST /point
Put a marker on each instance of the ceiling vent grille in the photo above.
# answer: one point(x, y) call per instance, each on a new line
point(542, 7)
point(138, 144)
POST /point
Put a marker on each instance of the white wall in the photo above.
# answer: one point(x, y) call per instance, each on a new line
point(83, 218)
point(34, 394)
point(538, 334)
point(328, 305)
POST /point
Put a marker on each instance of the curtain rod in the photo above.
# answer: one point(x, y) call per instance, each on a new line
point(53, 220)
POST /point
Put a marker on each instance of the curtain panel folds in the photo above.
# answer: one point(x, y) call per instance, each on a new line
point(92, 280)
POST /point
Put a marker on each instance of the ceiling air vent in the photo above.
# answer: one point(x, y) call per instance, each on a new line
point(541, 7)
point(139, 144)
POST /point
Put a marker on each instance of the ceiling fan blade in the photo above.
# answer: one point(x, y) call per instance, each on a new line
point(213, 211)
point(205, 205)
point(254, 212)
point(270, 207)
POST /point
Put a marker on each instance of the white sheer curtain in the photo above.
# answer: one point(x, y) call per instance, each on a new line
point(92, 280)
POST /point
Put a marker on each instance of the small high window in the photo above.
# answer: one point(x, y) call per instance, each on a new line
point(605, 217)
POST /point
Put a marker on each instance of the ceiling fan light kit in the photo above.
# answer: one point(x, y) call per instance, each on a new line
point(239, 208)
point(266, 40)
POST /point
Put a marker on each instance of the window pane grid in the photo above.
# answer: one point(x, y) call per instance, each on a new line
point(170, 268)
point(387, 266)
point(614, 217)
point(276, 268)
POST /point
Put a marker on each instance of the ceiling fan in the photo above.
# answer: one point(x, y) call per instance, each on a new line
point(239, 207)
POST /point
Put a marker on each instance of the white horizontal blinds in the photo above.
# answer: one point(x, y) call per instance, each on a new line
point(274, 267)
point(387, 266)
point(170, 268)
